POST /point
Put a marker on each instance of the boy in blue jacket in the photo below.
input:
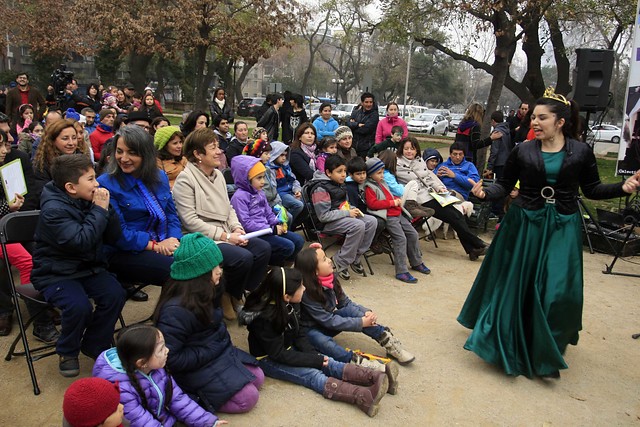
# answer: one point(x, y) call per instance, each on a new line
point(288, 187)
point(69, 264)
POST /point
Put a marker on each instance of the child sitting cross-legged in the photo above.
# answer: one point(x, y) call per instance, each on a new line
point(75, 220)
point(254, 212)
point(327, 311)
point(331, 205)
point(381, 203)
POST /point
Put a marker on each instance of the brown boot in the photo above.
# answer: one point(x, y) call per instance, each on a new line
point(363, 397)
point(390, 370)
point(227, 307)
point(376, 378)
point(418, 211)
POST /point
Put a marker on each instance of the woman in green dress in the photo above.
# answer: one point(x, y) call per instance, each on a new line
point(525, 305)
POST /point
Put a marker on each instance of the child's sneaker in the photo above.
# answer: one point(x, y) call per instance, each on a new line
point(344, 273)
point(421, 268)
point(406, 277)
point(69, 366)
point(358, 268)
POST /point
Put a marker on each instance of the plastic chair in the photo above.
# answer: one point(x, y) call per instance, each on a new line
point(19, 227)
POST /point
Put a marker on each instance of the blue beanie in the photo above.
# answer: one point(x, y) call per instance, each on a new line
point(373, 165)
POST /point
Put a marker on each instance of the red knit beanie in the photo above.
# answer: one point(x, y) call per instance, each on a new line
point(90, 401)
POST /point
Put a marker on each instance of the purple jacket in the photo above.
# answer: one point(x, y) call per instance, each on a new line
point(251, 205)
point(183, 408)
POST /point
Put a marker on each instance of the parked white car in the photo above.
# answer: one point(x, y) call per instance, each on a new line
point(609, 133)
point(429, 123)
point(342, 112)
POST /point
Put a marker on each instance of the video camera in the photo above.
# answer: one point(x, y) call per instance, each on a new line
point(60, 78)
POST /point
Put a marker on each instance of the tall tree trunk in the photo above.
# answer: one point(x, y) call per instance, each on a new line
point(160, 75)
point(138, 66)
point(504, 51)
point(202, 80)
point(531, 47)
point(240, 79)
point(560, 54)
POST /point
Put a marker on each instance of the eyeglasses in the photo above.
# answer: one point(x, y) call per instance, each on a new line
point(145, 127)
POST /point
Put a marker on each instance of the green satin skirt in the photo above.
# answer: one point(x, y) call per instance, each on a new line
point(525, 305)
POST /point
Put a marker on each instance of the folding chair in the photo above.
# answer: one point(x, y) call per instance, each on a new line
point(19, 227)
point(326, 239)
point(417, 224)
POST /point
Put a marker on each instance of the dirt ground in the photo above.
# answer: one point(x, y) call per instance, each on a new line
point(446, 385)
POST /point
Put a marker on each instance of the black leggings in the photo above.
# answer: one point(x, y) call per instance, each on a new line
point(455, 219)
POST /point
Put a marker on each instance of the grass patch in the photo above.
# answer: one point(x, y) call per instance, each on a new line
point(607, 170)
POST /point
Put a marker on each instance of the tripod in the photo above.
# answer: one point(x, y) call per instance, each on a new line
point(583, 208)
point(632, 219)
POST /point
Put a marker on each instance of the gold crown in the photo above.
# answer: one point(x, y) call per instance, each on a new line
point(551, 94)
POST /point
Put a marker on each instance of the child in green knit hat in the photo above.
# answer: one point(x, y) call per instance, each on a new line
point(202, 359)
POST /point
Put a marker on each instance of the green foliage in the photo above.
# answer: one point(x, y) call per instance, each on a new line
point(107, 62)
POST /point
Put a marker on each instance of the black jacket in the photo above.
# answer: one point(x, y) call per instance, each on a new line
point(290, 347)
point(578, 169)
point(271, 122)
point(226, 111)
point(69, 238)
point(363, 136)
point(202, 358)
point(299, 162)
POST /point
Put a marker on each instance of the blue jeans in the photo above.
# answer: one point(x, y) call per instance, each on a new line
point(284, 247)
point(325, 344)
point(312, 378)
point(294, 206)
point(82, 325)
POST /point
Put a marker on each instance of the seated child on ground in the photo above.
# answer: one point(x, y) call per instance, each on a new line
point(331, 206)
point(327, 311)
point(254, 212)
point(150, 396)
point(382, 204)
point(75, 220)
point(284, 352)
point(202, 358)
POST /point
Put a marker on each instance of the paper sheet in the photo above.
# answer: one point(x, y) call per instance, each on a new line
point(444, 198)
point(13, 180)
point(258, 233)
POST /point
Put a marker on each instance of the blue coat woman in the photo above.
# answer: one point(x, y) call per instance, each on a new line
point(141, 196)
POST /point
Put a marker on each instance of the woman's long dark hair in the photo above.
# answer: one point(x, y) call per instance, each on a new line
point(570, 113)
point(189, 124)
point(269, 296)
point(135, 343)
point(96, 97)
point(307, 265)
point(196, 295)
point(139, 141)
point(299, 131)
point(390, 160)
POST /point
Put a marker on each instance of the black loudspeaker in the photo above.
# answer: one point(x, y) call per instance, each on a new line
point(591, 78)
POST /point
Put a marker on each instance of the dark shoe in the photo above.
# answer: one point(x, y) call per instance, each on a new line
point(477, 252)
point(421, 269)
point(406, 277)
point(138, 296)
point(358, 268)
point(6, 324)
point(46, 333)
point(69, 366)
point(343, 274)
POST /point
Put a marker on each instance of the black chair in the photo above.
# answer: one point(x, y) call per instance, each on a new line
point(479, 219)
point(326, 239)
point(19, 227)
